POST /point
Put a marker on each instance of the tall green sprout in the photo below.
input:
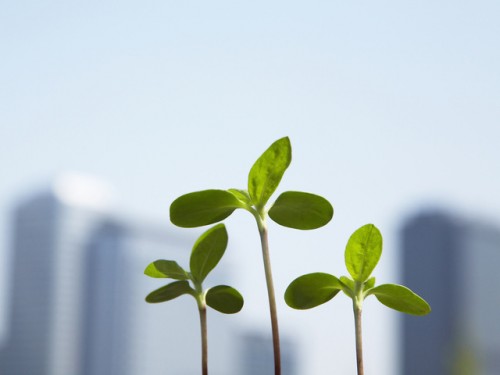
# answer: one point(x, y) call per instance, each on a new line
point(291, 209)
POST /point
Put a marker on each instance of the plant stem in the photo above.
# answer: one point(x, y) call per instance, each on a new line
point(204, 339)
point(359, 335)
point(270, 292)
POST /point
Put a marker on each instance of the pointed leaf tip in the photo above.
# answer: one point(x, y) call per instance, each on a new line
point(401, 298)
point(363, 252)
point(169, 292)
point(208, 251)
point(300, 210)
point(266, 173)
point(166, 269)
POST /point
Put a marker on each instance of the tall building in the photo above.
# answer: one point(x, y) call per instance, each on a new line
point(50, 234)
point(257, 355)
point(453, 263)
point(77, 293)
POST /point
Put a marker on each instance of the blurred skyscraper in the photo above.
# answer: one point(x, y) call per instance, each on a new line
point(453, 264)
point(50, 235)
point(77, 294)
point(257, 355)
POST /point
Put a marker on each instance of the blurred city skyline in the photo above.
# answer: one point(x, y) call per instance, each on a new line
point(390, 108)
point(73, 216)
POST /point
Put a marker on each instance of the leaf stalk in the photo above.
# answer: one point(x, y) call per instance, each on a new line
point(261, 222)
point(204, 339)
point(357, 302)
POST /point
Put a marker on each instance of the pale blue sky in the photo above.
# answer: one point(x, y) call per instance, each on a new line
point(389, 105)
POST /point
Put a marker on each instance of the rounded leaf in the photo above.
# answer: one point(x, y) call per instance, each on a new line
point(363, 252)
point(266, 173)
point(401, 298)
point(166, 269)
point(224, 299)
point(208, 251)
point(300, 210)
point(203, 208)
point(312, 290)
point(169, 292)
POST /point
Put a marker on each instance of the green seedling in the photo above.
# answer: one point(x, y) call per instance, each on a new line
point(291, 209)
point(362, 254)
point(206, 254)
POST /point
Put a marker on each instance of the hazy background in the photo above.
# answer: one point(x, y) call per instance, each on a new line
point(390, 107)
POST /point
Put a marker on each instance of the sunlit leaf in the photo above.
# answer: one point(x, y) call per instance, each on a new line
point(169, 292)
point(242, 195)
point(370, 283)
point(266, 173)
point(208, 251)
point(312, 290)
point(348, 286)
point(401, 298)
point(363, 252)
point(299, 210)
point(224, 299)
point(203, 208)
point(166, 269)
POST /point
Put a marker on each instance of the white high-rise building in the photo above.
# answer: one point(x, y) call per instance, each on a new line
point(50, 235)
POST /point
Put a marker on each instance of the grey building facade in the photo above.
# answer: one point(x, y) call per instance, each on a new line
point(453, 263)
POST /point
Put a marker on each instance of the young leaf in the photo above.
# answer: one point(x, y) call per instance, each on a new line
point(312, 290)
point(363, 252)
point(202, 208)
point(208, 251)
point(266, 173)
point(370, 283)
point(224, 299)
point(242, 195)
point(299, 210)
point(169, 292)
point(401, 298)
point(166, 269)
point(348, 286)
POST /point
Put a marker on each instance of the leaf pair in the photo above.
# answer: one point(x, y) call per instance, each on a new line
point(362, 254)
point(206, 254)
point(292, 209)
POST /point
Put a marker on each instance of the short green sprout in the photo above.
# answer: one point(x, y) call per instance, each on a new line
point(206, 254)
point(362, 254)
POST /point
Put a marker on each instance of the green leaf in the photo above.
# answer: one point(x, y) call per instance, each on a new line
point(299, 210)
point(266, 173)
point(169, 292)
point(208, 251)
point(203, 208)
point(166, 269)
point(401, 298)
point(224, 299)
point(363, 252)
point(370, 283)
point(242, 196)
point(348, 286)
point(312, 290)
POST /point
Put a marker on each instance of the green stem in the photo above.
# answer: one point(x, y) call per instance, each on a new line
point(204, 340)
point(270, 292)
point(357, 307)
